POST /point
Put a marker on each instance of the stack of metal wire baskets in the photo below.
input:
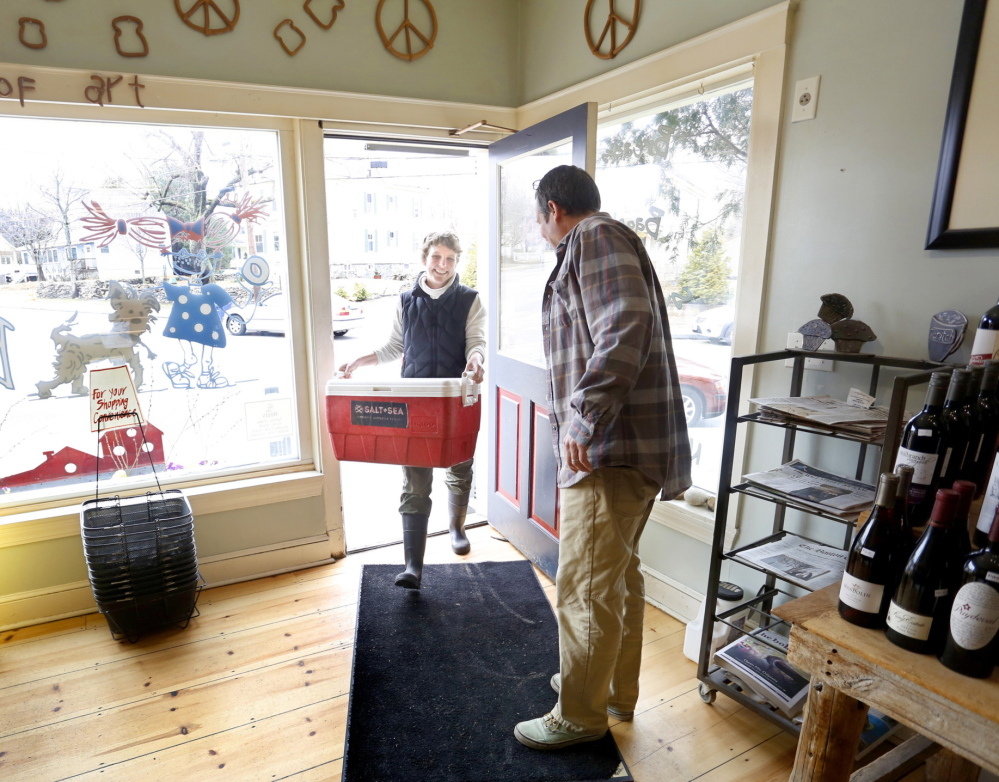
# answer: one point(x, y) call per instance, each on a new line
point(142, 561)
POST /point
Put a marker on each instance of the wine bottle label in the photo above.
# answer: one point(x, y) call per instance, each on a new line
point(867, 552)
point(907, 623)
point(978, 448)
point(992, 576)
point(940, 592)
point(989, 502)
point(862, 595)
point(924, 432)
point(985, 347)
point(974, 617)
point(923, 464)
point(946, 461)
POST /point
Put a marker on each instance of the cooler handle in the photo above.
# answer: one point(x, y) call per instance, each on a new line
point(469, 390)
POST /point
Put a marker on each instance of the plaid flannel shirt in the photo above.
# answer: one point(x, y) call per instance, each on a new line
point(612, 379)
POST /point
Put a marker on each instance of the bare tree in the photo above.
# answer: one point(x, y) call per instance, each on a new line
point(26, 228)
point(62, 196)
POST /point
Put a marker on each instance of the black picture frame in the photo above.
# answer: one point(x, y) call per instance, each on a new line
point(940, 236)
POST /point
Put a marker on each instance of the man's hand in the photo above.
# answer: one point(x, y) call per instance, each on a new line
point(362, 361)
point(474, 368)
point(575, 456)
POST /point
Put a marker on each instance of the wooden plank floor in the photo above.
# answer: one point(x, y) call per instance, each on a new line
point(256, 689)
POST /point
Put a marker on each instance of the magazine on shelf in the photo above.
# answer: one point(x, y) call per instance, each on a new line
point(800, 561)
point(766, 670)
point(828, 413)
point(878, 727)
point(815, 488)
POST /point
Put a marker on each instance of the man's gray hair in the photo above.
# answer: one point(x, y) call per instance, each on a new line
point(446, 238)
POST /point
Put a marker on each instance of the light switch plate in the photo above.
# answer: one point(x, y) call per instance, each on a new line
point(806, 99)
point(795, 342)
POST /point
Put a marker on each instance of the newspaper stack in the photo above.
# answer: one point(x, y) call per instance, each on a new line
point(802, 562)
point(813, 488)
point(824, 412)
point(761, 669)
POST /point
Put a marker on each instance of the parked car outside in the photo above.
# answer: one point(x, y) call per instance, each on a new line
point(716, 324)
point(270, 315)
point(703, 390)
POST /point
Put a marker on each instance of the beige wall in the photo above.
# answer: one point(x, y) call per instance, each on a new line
point(474, 57)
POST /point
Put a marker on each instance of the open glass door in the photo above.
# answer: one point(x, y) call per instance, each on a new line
point(523, 497)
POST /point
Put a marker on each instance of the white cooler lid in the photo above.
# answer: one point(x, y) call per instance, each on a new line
point(397, 387)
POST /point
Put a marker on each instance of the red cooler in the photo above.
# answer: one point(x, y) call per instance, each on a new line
point(419, 422)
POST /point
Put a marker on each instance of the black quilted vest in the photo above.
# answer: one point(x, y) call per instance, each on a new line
point(433, 331)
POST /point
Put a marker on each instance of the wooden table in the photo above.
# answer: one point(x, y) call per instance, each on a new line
point(853, 668)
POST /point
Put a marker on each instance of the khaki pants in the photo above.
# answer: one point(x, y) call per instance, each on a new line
point(600, 595)
point(417, 483)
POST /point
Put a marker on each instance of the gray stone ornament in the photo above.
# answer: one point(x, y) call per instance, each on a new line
point(947, 331)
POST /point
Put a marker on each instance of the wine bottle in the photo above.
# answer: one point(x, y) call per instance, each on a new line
point(925, 584)
point(973, 631)
point(973, 420)
point(905, 535)
point(980, 537)
point(957, 431)
point(986, 344)
point(988, 417)
point(871, 569)
point(924, 448)
point(904, 473)
point(960, 541)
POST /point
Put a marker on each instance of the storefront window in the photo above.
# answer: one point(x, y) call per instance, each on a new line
point(172, 211)
point(677, 175)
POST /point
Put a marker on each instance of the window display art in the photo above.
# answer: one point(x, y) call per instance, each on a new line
point(166, 221)
point(132, 316)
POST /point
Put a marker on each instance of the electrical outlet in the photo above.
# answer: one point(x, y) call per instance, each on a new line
point(795, 340)
point(806, 99)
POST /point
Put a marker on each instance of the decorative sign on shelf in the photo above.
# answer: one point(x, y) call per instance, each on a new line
point(207, 16)
point(610, 29)
point(337, 6)
point(408, 29)
point(946, 334)
point(25, 25)
point(120, 30)
point(287, 29)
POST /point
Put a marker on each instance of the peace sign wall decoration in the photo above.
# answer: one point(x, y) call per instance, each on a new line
point(208, 16)
point(609, 32)
point(408, 30)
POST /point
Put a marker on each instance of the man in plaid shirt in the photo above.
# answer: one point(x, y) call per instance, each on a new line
point(620, 439)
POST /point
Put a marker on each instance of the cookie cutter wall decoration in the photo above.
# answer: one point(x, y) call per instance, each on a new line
point(119, 32)
point(409, 30)
point(280, 35)
point(27, 22)
point(338, 6)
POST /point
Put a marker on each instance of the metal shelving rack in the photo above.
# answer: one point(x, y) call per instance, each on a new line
point(713, 679)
